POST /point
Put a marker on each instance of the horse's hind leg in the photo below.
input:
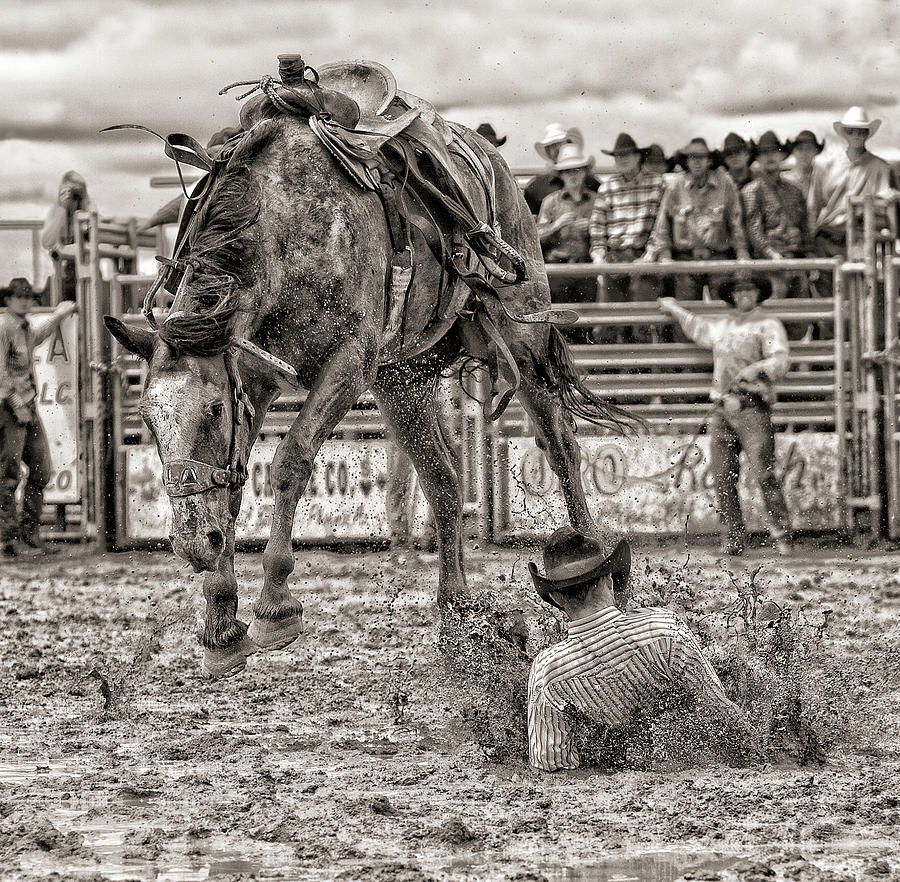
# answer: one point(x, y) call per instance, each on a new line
point(406, 400)
point(554, 425)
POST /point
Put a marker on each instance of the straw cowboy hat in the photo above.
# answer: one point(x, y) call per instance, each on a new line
point(486, 130)
point(572, 156)
point(556, 134)
point(762, 284)
point(768, 143)
point(857, 118)
point(808, 137)
point(625, 145)
point(571, 559)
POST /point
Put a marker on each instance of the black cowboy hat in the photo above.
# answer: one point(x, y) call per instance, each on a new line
point(624, 145)
point(808, 137)
point(20, 287)
point(694, 147)
point(655, 153)
point(768, 142)
point(734, 143)
point(486, 130)
point(571, 559)
point(762, 284)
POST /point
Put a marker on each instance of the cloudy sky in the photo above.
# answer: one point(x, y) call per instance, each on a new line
point(661, 70)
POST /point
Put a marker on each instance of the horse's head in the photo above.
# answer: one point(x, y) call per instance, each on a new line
point(188, 405)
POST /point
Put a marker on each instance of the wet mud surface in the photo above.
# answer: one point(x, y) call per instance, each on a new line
point(364, 752)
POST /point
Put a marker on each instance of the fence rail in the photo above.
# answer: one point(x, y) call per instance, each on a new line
point(846, 385)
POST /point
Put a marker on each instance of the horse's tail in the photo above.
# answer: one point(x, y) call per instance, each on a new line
point(577, 399)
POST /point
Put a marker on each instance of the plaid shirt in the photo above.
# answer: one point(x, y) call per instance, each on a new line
point(611, 664)
point(624, 213)
point(17, 342)
point(776, 218)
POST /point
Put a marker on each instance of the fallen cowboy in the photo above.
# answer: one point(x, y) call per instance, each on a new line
point(615, 662)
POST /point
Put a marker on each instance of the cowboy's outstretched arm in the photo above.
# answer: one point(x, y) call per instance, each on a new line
point(703, 331)
point(691, 667)
point(49, 323)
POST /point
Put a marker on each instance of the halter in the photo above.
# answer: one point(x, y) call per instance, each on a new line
point(188, 477)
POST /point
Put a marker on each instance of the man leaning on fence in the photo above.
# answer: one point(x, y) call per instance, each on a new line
point(700, 218)
point(22, 435)
point(563, 227)
point(615, 665)
point(850, 173)
point(622, 219)
point(750, 355)
point(776, 218)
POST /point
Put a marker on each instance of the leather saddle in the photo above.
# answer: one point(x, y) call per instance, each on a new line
point(430, 175)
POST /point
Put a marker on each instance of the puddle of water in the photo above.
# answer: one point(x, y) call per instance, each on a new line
point(663, 866)
point(656, 866)
point(26, 773)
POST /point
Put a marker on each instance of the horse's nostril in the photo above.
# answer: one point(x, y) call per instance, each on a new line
point(216, 540)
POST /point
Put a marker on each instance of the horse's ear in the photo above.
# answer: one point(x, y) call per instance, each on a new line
point(136, 340)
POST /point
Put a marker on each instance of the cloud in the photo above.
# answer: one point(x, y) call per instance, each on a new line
point(660, 70)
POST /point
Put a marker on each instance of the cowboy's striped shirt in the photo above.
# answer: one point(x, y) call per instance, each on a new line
point(611, 664)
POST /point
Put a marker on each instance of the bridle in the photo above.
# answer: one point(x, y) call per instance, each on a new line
point(189, 477)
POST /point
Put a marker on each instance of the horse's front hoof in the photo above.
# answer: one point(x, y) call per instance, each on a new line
point(270, 634)
point(228, 661)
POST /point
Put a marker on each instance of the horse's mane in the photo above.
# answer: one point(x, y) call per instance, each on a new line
point(219, 260)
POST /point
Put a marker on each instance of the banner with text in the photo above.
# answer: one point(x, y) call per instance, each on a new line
point(56, 373)
point(659, 484)
point(345, 499)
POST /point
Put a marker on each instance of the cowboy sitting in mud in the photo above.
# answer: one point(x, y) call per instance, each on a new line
point(614, 663)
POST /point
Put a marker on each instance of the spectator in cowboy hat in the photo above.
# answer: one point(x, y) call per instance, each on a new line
point(854, 172)
point(564, 229)
point(738, 154)
point(655, 161)
point(775, 216)
point(22, 435)
point(622, 220)
point(700, 218)
point(806, 148)
point(750, 355)
point(486, 130)
point(547, 148)
point(614, 661)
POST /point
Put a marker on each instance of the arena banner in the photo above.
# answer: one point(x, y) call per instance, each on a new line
point(660, 484)
point(56, 373)
point(345, 499)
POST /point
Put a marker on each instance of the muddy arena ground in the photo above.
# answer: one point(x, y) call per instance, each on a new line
point(351, 756)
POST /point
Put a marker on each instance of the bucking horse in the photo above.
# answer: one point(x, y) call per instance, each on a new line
point(346, 238)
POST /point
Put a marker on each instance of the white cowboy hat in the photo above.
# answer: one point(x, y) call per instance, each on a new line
point(572, 156)
point(556, 134)
point(857, 118)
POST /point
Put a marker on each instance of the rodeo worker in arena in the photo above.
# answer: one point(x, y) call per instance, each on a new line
point(613, 662)
point(750, 355)
point(22, 436)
